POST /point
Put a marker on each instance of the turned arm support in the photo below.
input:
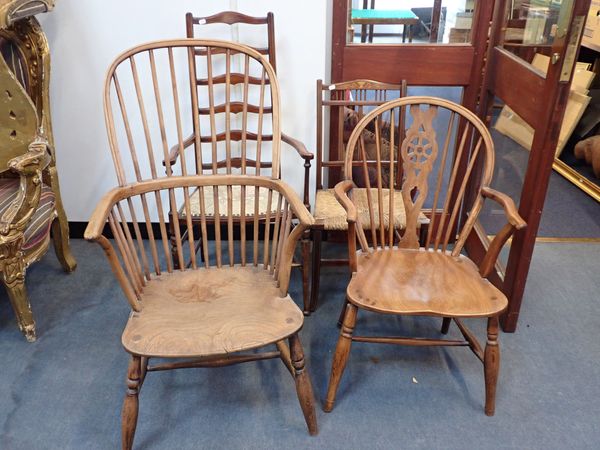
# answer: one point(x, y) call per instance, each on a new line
point(341, 191)
point(514, 222)
point(307, 157)
point(29, 166)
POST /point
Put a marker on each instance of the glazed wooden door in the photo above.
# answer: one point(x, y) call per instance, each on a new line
point(430, 61)
point(539, 99)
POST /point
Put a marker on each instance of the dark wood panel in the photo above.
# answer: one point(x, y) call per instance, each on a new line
point(527, 97)
point(424, 65)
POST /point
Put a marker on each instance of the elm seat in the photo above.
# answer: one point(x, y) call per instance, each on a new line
point(423, 282)
point(38, 228)
point(210, 312)
point(236, 200)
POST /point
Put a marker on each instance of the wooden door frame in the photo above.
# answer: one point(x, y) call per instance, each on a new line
point(540, 100)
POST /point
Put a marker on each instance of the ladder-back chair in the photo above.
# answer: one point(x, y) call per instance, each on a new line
point(266, 47)
point(147, 112)
point(444, 147)
point(341, 105)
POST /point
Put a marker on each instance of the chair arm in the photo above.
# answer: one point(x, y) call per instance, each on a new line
point(111, 198)
point(308, 157)
point(510, 210)
point(174, 151)
point(29, 166)
point(341, 194)
point(298, 146)
point(514, 222)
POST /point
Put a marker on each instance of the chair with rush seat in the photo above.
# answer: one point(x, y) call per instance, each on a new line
point(266, 26)
point(392, 272)
point(342, 105)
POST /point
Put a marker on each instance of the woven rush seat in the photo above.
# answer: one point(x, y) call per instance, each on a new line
point(39, 224)
point(236, 197)
point(210, 312)
point(333, 216)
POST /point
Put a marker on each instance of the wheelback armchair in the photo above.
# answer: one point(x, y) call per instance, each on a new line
point(31, 210)
point(392, 272)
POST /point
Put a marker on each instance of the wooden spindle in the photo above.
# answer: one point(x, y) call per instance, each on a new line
point(275, 235)
point(130, 141)
point(144, 117)
point(450, 189)
point(267, 230)
point(459, 196)
point(159, 111)
point(211, 103)
point(438, 186)
point(259, 132)
point(245, 126)
point(138, 237)
point(391, 224)
point(379, 181)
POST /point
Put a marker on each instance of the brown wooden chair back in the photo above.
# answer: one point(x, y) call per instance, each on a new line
point(232, 18)
point(444, 147)
point(138, 259)
point(219, 98)
point(342, 105)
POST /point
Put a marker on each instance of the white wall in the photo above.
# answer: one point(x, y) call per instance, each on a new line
point(85, 36)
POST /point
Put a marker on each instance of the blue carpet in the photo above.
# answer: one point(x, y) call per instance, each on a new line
point(65, 390)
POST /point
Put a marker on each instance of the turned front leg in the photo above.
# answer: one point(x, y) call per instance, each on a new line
point(491, 362)
point(340, 358)
point(303, 385)
point(131, 404)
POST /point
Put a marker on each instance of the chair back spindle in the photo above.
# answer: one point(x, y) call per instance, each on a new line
point(186, 107)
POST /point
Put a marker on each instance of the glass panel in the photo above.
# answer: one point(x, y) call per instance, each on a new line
point(410, 22)
point(534, 26)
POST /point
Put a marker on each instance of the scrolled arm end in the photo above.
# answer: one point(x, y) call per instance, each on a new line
point(341, 194)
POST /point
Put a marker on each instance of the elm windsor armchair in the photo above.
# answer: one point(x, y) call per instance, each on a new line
point(267, 49)
point(31, 210)
point(393, 274)
point(230, 298)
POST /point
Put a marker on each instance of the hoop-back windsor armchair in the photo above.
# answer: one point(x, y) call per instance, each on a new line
point(232, 297)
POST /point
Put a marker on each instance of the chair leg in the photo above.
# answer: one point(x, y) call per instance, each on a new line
point(173, 242)
point(491, 364)
point(303, 385)
point(445, 325)
point(60, 227)
point(316, 272)
point(284, 354)
point(13, 277)
point(342, 313)
point(340, 358)
point(129, 414)
point(305, 248)
point(60, 239)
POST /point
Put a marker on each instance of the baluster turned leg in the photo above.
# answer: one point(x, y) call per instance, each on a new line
point(303, 386)
point(129, 413)
point(445, 325)
point(305, 267)
point(340, 358)
point(491, 364)
point(316, 272)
